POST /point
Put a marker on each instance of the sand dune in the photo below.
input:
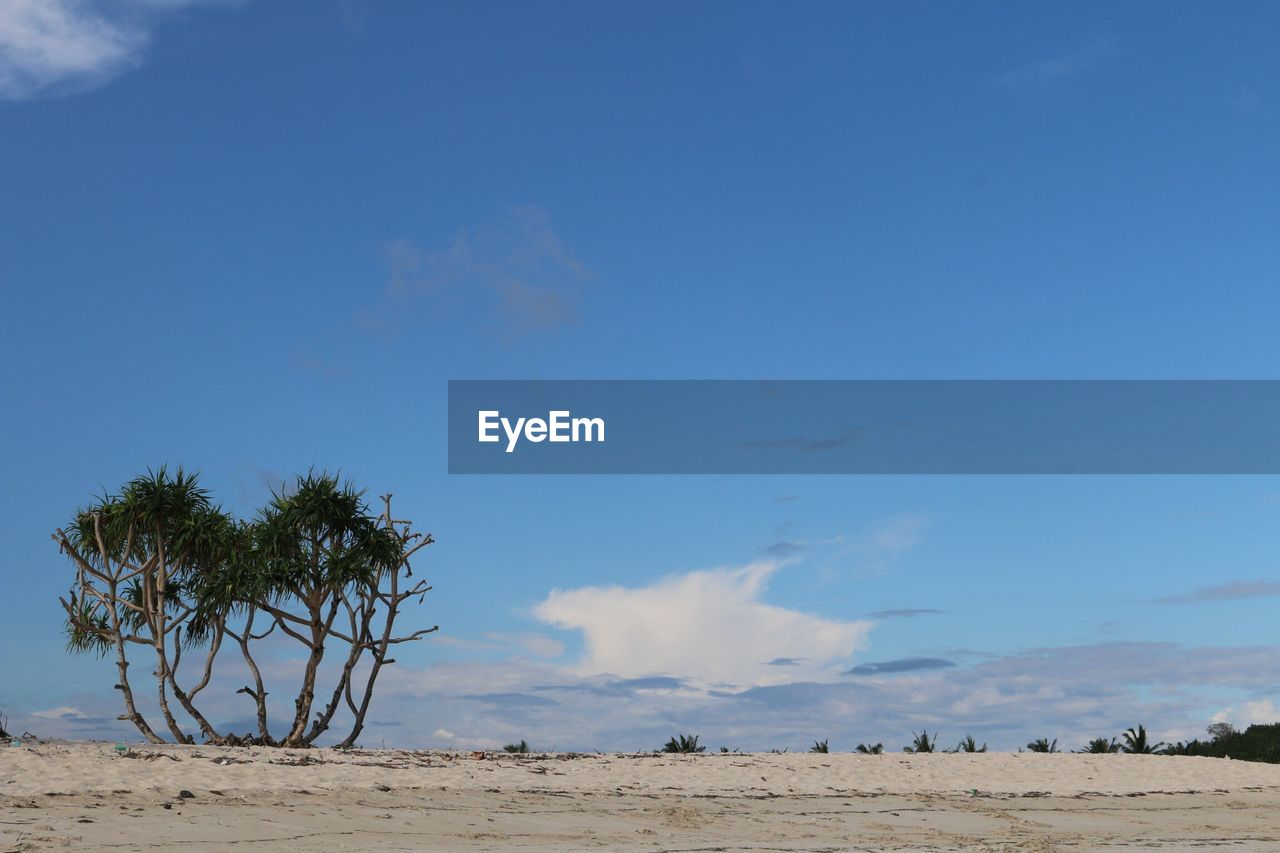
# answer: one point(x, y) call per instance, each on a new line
point(84, 796)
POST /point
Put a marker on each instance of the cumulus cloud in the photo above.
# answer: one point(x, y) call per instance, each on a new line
point(709, 625)
point(63, 46)
point(1249, 713)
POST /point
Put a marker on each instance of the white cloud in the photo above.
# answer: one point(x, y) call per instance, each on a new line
point(61, 46)
point(708, 626)
point(63, 712)
point(1250, 713)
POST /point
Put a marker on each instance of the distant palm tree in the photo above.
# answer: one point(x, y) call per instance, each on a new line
point(1101, 745)
point(875, 749)
point(1135, 742)
point(819, 746)
point(921, 743)
point(1042, 744)
point(683, 743)
point(520, 748)
point(970, 745)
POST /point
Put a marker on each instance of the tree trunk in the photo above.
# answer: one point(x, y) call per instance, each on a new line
point(258, 691)
point(319, 631)
point(210, 733)
point(131, 709)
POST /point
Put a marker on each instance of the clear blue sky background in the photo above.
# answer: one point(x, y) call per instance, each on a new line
point(262, 236)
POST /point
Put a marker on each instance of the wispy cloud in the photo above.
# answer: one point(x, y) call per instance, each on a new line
point(1077, 61)
point(50, 47)
point(535, 644)
point(710, 626)
point(889, 667)
point(906, 613)
point(784, 549)
point(897, 535)
point(1005, 700)
point(515, 270)
point(880, 546)
point(1232, 591)
point(1245, 99)
point(806, 444)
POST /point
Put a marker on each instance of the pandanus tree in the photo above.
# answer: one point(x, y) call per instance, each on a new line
point(138, 554)
point(321, 568)
point(159, 559)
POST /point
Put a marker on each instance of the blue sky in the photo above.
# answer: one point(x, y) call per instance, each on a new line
point(255, 237)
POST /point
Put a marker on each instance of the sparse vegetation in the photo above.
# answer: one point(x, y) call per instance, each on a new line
point(819, 746)
point(1101, 745)
point(521, 748)
point(970, 745)
point(1043, 744)
point(1137, 743)
point(873, 749)
point(921, 743)
point(683, 743)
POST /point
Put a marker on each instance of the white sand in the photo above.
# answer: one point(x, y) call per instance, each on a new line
point(85, 796)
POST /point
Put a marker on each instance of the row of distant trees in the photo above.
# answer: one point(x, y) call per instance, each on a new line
point(1257, 743)
point(162, 572)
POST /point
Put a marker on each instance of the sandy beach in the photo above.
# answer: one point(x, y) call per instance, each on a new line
point(88, 796)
